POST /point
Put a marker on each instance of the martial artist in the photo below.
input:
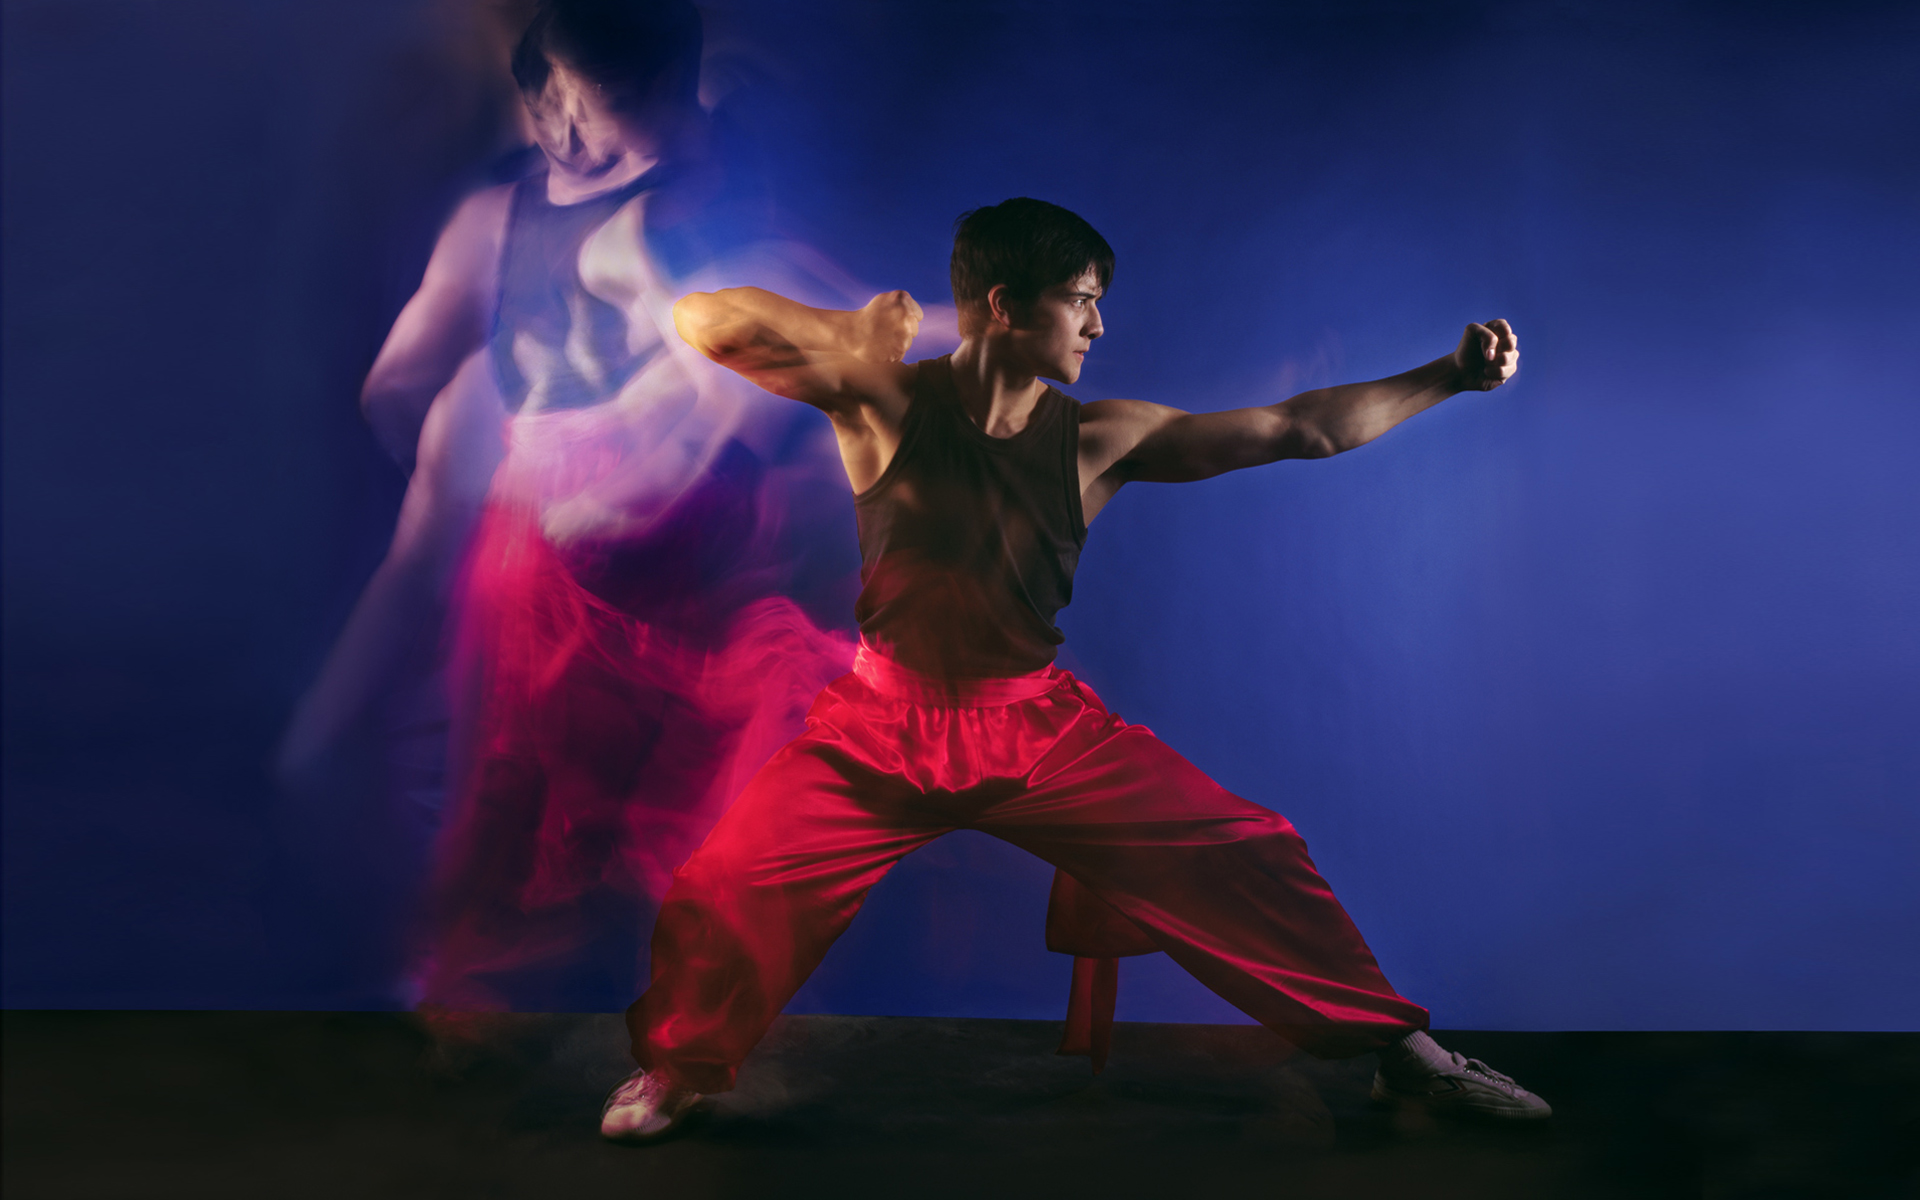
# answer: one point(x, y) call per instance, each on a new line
point(974, 481)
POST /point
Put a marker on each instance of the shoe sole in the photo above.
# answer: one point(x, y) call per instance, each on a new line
point(692, 1115)
point(1440, 1108)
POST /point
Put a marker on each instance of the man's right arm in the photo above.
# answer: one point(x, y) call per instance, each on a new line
point(838, 361)
point(448, 318)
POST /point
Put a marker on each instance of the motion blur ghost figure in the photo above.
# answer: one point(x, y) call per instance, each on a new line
point(585, 523)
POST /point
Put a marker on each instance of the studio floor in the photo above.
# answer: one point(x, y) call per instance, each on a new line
point(204, 1105)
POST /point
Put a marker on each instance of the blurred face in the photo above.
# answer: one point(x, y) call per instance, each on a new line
point(1053, 334)
point(593, 143)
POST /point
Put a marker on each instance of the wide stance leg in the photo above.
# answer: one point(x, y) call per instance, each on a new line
point(1222, 885)
point(756, 908)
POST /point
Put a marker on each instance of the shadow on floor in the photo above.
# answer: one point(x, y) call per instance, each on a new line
point(207, 1105)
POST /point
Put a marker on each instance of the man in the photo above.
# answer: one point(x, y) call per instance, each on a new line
point(586, 499)
point(974, 481)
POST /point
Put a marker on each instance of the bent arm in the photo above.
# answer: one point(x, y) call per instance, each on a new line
point(828, 358)
point(446, 320)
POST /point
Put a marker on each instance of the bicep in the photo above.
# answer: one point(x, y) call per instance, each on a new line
point(1179, 447)
point(839, 385)
point(737, 335)
point(448, 318)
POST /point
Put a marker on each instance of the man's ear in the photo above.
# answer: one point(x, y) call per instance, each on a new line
point(999, 307)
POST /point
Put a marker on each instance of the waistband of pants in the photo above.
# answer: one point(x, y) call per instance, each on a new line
point(891, 679)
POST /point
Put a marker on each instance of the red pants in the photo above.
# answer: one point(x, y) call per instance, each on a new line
point(891, 760)
point(595, 749)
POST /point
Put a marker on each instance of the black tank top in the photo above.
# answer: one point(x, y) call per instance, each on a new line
point(968, 542)
point(555, 344)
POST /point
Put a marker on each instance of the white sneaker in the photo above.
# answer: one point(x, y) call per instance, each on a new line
point(1470, 1087)
point(644, 1108)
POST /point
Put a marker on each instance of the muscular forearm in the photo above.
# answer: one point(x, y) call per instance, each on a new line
point(436, 333)
point(1126, 439)
point(739, 326)
point(1329, 420)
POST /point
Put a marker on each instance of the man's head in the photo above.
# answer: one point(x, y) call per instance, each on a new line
point(1033, 272)
point(608, 82)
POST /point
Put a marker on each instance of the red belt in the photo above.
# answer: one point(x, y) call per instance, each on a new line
point(889, 678)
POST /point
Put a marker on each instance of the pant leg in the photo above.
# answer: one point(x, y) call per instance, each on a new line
point(1222, 885)
point(1083, 925)
point(752, 913)
point(535, 899)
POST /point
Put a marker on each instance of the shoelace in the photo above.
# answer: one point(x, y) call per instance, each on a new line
point(630, 1090)
point(1481, 1069)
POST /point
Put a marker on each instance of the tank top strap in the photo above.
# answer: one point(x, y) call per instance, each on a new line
point(934, 392)
point(934, 399)
point(1069, 410)
point(525, 197)
point(527, 190)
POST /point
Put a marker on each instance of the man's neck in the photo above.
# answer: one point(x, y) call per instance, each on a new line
point(565, 188)
point(998, 395)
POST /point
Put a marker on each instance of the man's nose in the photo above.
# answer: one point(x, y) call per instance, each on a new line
point(1093, 327)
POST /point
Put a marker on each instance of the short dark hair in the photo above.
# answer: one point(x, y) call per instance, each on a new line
point(625, 46)
point(1028, 245)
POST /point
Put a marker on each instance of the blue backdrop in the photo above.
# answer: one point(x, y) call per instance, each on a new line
point(1595, 698)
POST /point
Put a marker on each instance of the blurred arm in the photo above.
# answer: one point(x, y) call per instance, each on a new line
point(448, 318)
point(400, 611)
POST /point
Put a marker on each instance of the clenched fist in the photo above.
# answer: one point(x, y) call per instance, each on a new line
point(884, 329)
point(1488, 356)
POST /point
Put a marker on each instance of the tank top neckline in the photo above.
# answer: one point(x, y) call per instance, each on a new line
point(1041, 416)
point(536, 189)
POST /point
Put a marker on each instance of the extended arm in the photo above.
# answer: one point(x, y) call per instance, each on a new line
point(1130, 440)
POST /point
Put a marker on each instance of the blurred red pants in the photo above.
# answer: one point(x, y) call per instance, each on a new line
point(891, 760)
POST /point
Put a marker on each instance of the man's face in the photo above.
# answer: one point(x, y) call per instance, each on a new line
point(592, 143)
point(1054, 333)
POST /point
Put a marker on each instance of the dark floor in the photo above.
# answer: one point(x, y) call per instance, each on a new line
point(207, 1105)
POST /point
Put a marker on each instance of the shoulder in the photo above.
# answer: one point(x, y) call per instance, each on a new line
point(1112, 430)
point(889, 384)
point(868, 395)
point(1120, 411)
point(1104, 420)
point(482, 216)
point(468, 252)
point(856, 394)
point(485, 211)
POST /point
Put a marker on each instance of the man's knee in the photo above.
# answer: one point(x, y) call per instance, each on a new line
point(1269, 830)
point(722, 865)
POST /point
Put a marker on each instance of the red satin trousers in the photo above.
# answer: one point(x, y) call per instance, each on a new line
point(891, 760)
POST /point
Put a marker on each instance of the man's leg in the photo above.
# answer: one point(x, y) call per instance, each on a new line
point(752, 913)
point(1224, 886)
point(565, 720)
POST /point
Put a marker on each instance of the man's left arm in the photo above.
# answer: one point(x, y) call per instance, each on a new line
point(1148, 442)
